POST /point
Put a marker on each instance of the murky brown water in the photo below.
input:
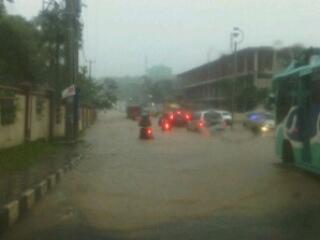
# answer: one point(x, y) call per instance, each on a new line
point(182, 185)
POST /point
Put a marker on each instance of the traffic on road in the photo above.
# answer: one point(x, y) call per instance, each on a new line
point(159, 120)
point(178, 186)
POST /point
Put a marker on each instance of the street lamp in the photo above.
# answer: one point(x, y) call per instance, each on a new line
point(236, 38)
point(276, 46)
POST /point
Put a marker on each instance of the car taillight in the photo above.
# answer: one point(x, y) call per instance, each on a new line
point(149, 131)
point(178, 112)
point(171, 116)
point(166, 126)
point(201, 124)
point(188, 117)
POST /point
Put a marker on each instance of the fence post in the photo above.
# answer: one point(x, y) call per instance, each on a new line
point(28, 113)
point(52, 114)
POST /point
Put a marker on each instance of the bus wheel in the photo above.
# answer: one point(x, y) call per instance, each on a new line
point(287, 154)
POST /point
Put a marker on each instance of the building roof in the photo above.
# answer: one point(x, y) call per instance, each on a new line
point(225, 57)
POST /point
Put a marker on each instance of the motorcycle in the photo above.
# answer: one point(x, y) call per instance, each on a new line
point(146, 133)
point(145, 128)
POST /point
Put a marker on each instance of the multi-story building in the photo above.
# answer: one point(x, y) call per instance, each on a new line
point(214, 83)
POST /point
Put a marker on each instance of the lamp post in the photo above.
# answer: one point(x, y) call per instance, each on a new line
point(276, 46)
point(236, 38)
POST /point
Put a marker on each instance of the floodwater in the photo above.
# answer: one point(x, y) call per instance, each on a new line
point(181, 185)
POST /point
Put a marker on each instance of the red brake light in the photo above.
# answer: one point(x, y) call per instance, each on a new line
point(171, 116)
point(149, 131)
point(187, 116)
point(201, 124)
point(178, 112)
point(166, 126)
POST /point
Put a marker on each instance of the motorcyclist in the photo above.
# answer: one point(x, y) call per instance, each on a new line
point(145, 120)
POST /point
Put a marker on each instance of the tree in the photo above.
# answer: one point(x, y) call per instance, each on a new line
point(21, 58)
point(250, 97)
point(162, 90)
point(107, 95)
point(34, 52)
point(2, 6)
point(102, 95)
point(53, 36)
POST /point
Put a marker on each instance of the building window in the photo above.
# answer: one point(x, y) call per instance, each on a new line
point(8, 109)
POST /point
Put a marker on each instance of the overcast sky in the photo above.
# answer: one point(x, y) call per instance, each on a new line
point(118, 34)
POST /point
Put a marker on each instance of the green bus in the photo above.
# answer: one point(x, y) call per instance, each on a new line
point(297, 110)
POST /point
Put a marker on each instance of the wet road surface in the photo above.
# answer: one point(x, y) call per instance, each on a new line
point(182, 185)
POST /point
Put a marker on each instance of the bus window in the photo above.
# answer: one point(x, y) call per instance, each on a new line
point(315, 104)
point(315, 94)
point(286, 98)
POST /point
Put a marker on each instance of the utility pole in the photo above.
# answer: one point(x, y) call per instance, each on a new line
point(91, 62)
point(234, 80)
point(276, 46)
point(72, 65)
point(234, 40)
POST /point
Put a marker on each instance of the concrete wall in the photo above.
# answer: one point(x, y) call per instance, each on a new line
point(40, 122)
point(81, 119)
point(34, 125)
point(13, 134)
point(60, 127)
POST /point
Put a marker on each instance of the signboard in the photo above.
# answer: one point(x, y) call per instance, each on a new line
point(69, 91)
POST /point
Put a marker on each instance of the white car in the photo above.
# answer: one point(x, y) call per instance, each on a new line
point(206, 120)
point(226, 116)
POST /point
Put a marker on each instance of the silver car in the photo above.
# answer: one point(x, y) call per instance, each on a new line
point(206, 120)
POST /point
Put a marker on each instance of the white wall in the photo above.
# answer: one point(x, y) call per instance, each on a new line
point(40, 124)
point(13, 134)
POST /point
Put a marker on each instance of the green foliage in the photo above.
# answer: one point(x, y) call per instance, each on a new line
point(250, 97)
point(53, 36)
point(23, 156)
point(21, 59)
point(34, 52)
point(2, 6)
point(161, 91)
point(107, 94)
point(102, 95)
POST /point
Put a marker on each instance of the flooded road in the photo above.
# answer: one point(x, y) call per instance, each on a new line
point(181, 185)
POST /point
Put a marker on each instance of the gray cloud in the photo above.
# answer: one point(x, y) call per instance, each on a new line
point(120, 33)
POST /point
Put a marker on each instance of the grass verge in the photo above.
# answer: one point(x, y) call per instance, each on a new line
point(24, 156)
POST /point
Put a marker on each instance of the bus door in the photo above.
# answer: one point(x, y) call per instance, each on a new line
point(315, 117)
point(305, 118)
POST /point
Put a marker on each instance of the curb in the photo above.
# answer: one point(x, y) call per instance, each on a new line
point(27, 201)
point(13, 211)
